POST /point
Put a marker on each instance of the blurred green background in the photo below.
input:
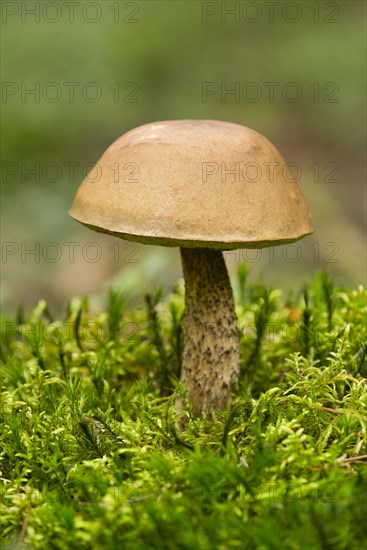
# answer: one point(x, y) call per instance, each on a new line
point(99, 69)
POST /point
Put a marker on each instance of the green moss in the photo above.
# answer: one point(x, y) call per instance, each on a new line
point(90, 452)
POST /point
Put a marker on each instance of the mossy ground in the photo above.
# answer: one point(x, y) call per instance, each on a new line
point(90, 452)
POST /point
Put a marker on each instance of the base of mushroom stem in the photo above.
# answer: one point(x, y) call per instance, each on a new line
point(211, 352)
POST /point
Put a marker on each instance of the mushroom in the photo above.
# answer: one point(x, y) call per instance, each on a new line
point(206, 186)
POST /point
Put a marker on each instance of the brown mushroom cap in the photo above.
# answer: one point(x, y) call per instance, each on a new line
point(194, 183)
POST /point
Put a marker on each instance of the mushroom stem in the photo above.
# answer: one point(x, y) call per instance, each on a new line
point(211, 353)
